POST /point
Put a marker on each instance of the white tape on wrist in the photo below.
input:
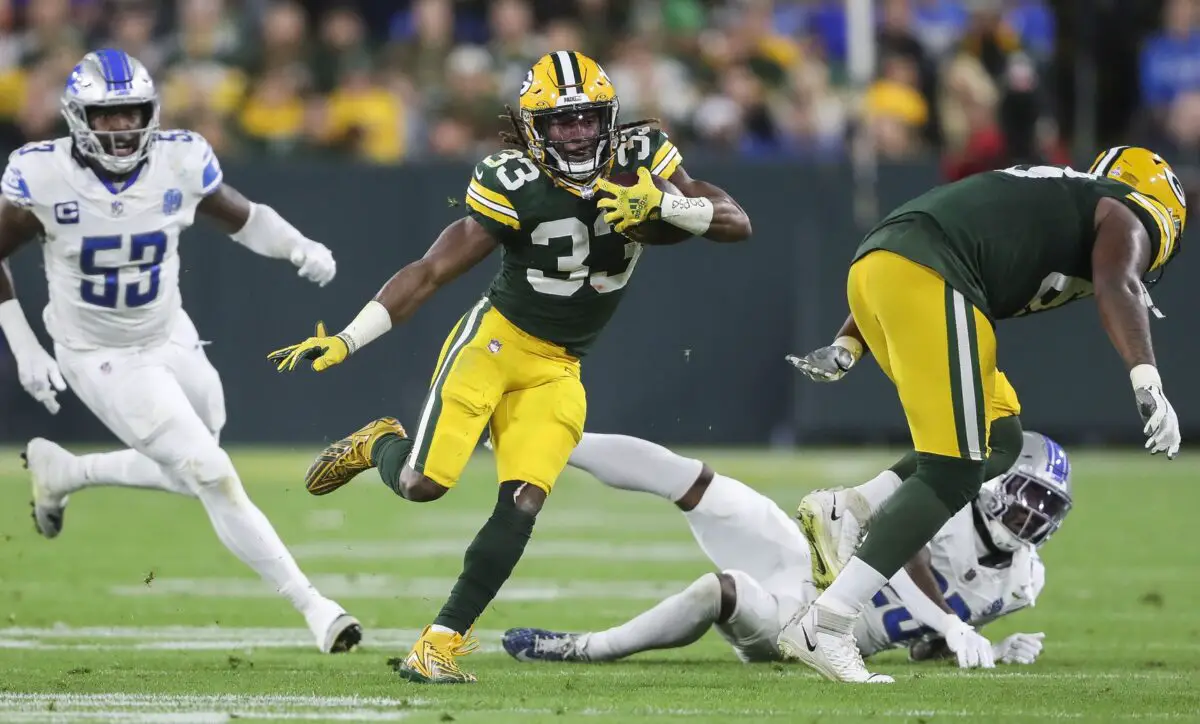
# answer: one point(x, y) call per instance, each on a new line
point(1145, 376)
point(371, 323)
point(851, 345)
point(689, 213)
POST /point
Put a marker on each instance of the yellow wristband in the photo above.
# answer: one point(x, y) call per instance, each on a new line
point(851, 345)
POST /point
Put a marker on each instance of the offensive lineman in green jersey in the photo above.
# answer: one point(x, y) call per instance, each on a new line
point(513, 359)
point(925, 289)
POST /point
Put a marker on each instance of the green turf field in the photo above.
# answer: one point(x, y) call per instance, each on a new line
point(137, 614)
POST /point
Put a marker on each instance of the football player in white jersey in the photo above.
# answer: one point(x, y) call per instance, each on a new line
point(109, 203)
point(982, 565)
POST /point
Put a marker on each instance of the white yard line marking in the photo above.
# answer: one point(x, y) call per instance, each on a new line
point(200, 708)
point(543, 549)
point(201, 638)
point(223, 708)
point(376, 586)
point(202, 717)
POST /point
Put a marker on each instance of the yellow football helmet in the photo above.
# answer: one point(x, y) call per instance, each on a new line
point(1149, 175)
point(564, 92)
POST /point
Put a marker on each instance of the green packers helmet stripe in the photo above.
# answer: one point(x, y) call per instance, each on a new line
point(1108, 160)
point(566, 68)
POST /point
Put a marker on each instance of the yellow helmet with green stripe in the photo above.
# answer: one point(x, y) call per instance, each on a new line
point(1151, 177)
point(568, 110)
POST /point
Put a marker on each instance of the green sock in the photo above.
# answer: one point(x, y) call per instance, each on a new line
point(922, 504)
point(388, 455)
point(488, 562)
point(1004, 438)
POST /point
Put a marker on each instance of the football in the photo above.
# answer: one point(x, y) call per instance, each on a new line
point(655, 232)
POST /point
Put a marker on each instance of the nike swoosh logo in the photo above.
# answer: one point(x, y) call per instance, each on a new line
point(833, 514)
point(807, 641)
point(479, 173)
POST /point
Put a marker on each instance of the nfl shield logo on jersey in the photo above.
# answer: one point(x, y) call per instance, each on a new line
point(494, 346)
point(118, 208)
point(172, 200)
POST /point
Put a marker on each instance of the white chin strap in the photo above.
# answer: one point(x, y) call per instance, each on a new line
point(574, 169)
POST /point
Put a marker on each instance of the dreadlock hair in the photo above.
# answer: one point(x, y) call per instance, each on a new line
point(514, 137)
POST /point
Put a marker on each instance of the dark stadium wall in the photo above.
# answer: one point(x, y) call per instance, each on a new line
point(694, 356)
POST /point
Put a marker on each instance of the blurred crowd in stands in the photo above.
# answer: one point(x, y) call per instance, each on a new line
point(398, 80)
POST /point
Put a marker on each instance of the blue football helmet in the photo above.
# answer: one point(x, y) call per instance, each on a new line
point(1027, 504)
point(107, 79)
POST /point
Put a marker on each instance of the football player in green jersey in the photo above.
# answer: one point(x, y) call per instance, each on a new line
point(512, 362)
point(926, 287)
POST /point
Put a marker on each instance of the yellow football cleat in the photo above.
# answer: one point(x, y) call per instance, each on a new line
point(432, 658)
point(339, 462)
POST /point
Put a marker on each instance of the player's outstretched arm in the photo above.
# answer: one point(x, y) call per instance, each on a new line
point(36, 369)
point(925, 602)
point(1120, 257)
point(262, 230)
point(832, 362)
point(459, 247)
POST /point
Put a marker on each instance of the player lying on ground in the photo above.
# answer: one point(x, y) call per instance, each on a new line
point(110, 202)
point(982, 565)
point(925, 289)
point(513, 361)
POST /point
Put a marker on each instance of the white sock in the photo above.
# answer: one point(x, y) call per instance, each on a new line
point(879, 488)
point(247, 533)
point(630, 463)
point(853, 587)
point(676, 621)
point(739, 528)
point(437, 628)
point(125, 468)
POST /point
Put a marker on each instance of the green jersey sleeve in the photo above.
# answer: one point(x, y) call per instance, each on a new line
point(649, 147)
point(491, 192)
point(1164, 235)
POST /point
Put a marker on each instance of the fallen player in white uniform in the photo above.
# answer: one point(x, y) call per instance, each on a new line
point(109, 203)
point(982, 565)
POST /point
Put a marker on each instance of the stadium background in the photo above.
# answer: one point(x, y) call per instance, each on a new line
point(362, 127)
point(359, 121)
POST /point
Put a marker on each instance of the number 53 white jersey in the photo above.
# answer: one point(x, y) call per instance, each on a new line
point(977, 592)
point(112, 250)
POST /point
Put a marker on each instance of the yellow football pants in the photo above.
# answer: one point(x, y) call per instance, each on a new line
point(529, 389)
point(935, 346)
point(1004, 400)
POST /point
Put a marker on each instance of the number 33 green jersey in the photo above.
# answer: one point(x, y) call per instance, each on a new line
point(1018, 240)
point(564, 269)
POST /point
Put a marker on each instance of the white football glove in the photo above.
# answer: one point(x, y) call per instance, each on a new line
point(973, 650)
point(316, 263)
point(36, 369)
point(1161, 422)
point(1020, 648)
point(39, 375)
point(828, 364)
